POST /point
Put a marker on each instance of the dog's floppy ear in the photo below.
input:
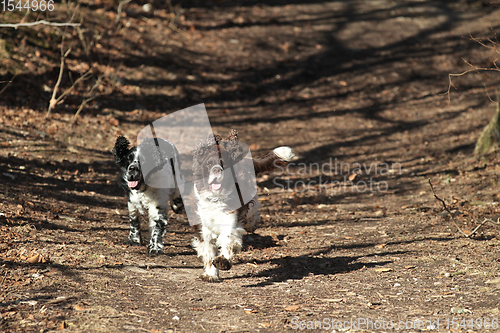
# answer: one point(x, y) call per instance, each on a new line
point(232, 145)
point(232, 136)
point(121, 151)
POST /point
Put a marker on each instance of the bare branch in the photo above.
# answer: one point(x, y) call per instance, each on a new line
point(8, 84)
point(89, 97)
point(84, 77)
point(446, 208)
point(453, 219)
point(119, 10)
point(53, 101)
point(56, 24)
point(494, 45)
point(485, 221)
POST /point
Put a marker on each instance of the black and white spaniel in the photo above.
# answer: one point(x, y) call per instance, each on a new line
point(149, 181)
point(223, 220)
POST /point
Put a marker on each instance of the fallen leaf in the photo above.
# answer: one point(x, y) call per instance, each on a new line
point(62, 326)
point(292, 308)
point(113, 121)
point(266, 324)
point(249, 311)
point(78, 308)
point(409, 267)
point(380, 246)
point(34, 259)
point(352, 176)
point(383, 269)
point(254, 146)
point(253, 265)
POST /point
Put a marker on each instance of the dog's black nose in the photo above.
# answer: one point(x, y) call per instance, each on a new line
point(216, 170)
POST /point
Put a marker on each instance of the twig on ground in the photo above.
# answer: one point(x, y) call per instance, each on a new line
point(8, 84)
point(485, 220)
point(4, 277)
point(446, 208)
point(455, 222)
point(56, 24)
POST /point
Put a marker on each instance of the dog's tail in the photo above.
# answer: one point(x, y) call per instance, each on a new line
point(273, 160)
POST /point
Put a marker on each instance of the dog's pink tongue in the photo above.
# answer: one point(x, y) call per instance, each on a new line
point(215, 186)
point(133, 184)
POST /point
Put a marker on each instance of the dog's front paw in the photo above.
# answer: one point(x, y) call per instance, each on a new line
point(153, 251)
point(222, 263)
point(209, 278)
point(133, 241)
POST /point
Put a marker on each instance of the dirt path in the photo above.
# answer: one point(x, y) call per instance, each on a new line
point(355, 87)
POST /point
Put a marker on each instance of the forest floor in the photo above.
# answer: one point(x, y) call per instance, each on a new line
point(351, 234)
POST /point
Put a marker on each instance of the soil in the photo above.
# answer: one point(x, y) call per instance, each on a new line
point(350, 231)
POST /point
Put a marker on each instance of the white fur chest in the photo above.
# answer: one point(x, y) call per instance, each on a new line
point(214, 215)
point(149, 199)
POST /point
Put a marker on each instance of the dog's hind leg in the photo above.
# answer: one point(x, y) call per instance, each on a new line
point(176, 203)
point(134, 236)
point(158, 218)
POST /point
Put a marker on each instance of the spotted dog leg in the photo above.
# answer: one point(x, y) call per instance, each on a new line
point(158, 218)
point(134, 236)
